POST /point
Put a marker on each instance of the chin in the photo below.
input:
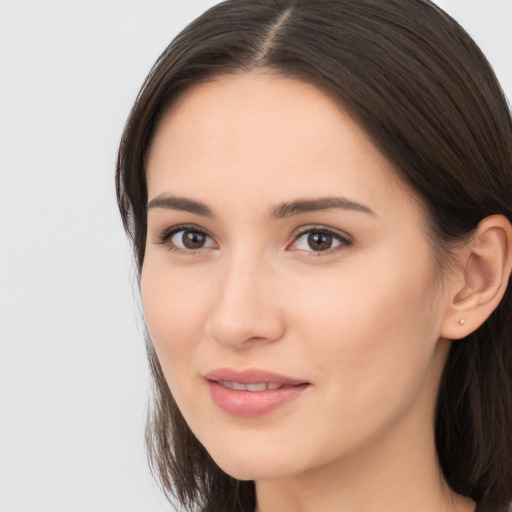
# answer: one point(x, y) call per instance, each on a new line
point(260, 470)
point(255, 460)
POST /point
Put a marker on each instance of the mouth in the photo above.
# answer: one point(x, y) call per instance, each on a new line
point(250, 376)
point(252, 393)
point(240, 386)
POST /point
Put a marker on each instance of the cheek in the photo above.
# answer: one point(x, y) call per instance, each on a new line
point(173, 311)
point(370, 330)
point(371, 346)
point(376, 299)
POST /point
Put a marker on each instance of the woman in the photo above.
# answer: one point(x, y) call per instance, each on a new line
point(319, 196)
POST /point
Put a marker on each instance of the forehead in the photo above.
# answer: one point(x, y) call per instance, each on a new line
point(265, 135)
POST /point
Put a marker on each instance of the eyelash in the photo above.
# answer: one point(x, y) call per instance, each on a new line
point(344, 240)
point(165, 238)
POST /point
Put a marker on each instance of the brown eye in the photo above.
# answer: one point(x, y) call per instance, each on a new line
point(189, 240)
point(193, 239)
point(319, 241)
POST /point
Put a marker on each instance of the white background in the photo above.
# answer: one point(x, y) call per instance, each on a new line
point(73, 380)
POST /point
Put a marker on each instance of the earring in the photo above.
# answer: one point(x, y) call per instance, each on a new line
point(461, 322)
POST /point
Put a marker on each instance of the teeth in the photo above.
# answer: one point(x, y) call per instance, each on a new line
point(239, 386)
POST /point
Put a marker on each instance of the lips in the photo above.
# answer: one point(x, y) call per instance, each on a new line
point(253, 392)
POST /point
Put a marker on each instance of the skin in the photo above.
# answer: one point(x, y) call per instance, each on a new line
point(361, 322)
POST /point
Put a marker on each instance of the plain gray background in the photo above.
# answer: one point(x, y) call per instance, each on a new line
point(73, 379)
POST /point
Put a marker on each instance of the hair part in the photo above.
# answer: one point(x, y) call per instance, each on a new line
point(429, 100)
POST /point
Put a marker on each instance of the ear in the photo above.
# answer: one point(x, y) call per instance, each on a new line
point(483, 272)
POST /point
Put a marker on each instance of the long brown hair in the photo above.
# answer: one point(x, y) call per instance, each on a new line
point(429, 100)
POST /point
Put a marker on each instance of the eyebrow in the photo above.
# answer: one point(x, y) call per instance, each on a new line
point(281, 211)
point(289, 209)
point(180, 204)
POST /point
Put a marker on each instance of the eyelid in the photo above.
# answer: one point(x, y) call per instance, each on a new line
point(165, 237)
point(344, 238)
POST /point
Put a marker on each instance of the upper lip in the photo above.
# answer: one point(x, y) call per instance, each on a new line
point(250, 376)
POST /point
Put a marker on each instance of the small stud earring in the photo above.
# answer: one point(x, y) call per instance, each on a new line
point(461, 322)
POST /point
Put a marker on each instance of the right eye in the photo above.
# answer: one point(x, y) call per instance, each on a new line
point(186, 239)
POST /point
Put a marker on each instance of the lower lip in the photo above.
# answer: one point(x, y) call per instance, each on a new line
point(251, 404)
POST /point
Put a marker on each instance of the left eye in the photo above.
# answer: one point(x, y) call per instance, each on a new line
point(318, 240)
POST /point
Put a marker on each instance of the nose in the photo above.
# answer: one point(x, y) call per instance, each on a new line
point(245, 310)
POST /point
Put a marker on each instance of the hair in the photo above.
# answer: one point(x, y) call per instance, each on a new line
point(427, 97)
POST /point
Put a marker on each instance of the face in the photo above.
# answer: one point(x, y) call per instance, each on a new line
point(288, 284)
